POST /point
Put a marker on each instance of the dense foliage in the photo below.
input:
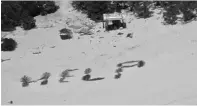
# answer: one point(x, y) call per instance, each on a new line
point(188, 10)
point(141, 9)
point(22, 13)
point(95, 9)
point(8, 44)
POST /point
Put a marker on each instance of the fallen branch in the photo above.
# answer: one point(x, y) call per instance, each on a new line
point(2, 60)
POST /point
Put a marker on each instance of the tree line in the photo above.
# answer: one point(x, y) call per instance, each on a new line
point(141, 9)
point(22, 13)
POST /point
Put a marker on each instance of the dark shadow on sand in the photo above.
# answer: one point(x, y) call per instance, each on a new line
point(95, 79)
point(129, 66)
point(70, 76)
point(63, 81)
point(72, 69)
point(120, 64)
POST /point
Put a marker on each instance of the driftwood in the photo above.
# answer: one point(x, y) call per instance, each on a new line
point(139, 64)
point(2, 60)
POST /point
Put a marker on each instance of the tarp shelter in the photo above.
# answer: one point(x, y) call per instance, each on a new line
point(113, 20)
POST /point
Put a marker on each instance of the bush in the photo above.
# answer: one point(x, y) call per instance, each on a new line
point(174, 8)
point(8, 44)
point(63, 75)
point(170, 18)
point(130, 35)
point(28, 23)
point(7, 24)
point(45, 76)
point(25, 81)
point(88, 71)
point(141, 9)
point(94, 9)
point(119, 65)
point(141, 64)
point(170, 15)
point(17, 13)
point(44, 82)
point(48, 7)
point(117, 76)
point(189, 10)
point(188, 16)
point(119, 70)
point(61, 80)
point(86, 77)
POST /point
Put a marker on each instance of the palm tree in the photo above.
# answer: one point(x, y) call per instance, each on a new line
point(88, 71)
point(141, 64)
point(25, 81)
point(45, 77)
point(119, 70)
point(63, 75)
point(87, 76)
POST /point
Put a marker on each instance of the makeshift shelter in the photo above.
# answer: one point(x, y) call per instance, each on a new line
point(113, 21)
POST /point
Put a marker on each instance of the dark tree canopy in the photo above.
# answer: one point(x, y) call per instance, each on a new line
point(21, 13)
point(96, 9)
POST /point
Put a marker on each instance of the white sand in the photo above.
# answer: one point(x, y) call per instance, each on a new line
point(168, 77)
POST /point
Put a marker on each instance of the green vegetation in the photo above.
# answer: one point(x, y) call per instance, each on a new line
point(141, 9)
point(8, 44)
point(22, 13)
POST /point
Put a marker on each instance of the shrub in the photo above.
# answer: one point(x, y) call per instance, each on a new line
point(170, 15)
point(130, 35)
point(44, 82)
point(140, 8)
point(25, 81)
point(117, 76)
point(141, 63)
point(189, 10)
point(7, 24)
point(17, 13)
point(88, 71)
point(61, 80)
point(170, 18)
point(86, 77)
point(63, 75)
point(45, 76)
point(119, 65)
point(174, 8)
point(120, 33)
point(188, 16)
point(94, 9)
point(119, 70)
point(8, 44)
point(28, 23)
point(49, 7)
